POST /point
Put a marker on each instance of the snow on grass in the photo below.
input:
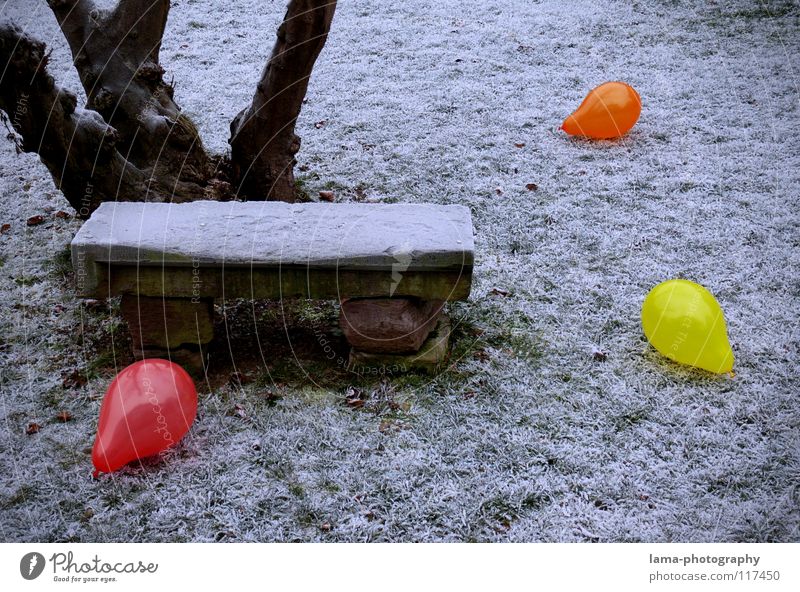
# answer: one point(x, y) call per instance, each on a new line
point(526, 437)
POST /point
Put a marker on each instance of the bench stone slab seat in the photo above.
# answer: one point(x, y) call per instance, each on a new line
point(275, 249)
point(170, 261)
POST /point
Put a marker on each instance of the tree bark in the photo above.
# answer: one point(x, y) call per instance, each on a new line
point(263, 141)
point(77, 146)
point(131, 142)
point(116, 54)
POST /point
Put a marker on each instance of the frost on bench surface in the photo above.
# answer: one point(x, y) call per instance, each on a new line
point(321, 242)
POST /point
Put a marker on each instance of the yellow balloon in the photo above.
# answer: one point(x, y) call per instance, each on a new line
point(684, 322)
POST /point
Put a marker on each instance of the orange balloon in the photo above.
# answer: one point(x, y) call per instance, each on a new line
point(149, 407)
point(608, 111)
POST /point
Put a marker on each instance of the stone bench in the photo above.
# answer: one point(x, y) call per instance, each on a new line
point(392, 267)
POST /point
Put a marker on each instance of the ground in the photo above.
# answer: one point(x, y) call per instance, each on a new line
point(555, 420)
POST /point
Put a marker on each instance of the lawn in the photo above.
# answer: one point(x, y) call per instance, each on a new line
point(554, 420)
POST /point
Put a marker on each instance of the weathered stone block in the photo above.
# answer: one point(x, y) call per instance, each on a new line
point(169, 261)
point(190, 359)
point(430, 357)
point(168, 323)
point(394, 245)
point(281, 283)
point(388, 325)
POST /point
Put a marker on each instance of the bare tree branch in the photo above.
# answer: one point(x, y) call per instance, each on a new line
point(262, 139)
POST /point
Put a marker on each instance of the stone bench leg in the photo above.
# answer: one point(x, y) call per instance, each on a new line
point(391, 335)
point(178, 329)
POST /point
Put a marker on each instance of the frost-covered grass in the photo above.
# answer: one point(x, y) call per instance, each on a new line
point(527, 436)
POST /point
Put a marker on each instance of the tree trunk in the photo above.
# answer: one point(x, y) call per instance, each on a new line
point(131, 142)
point(77, 146)
point(116, 54)
point(263, 142)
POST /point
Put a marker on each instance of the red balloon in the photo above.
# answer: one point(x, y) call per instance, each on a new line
point(149, 407)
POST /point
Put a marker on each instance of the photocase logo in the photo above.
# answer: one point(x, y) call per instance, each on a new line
point(402, 259)
point(31, 565)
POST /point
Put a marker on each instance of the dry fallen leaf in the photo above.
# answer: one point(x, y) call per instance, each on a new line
point(498, 292)
point(272, 397)
point(503, 526)
point(481, 355)
point(531, 187)
point(72, 379)
point(95, 305)
point(5, 228)
point(34, 220)
point(354, 397)
point(498, 190)
point(32, 428)
point(519, 144)
point(237, 378)
point(62, 214)
point(355, 403)
point(326, 195)
point(64, 416)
